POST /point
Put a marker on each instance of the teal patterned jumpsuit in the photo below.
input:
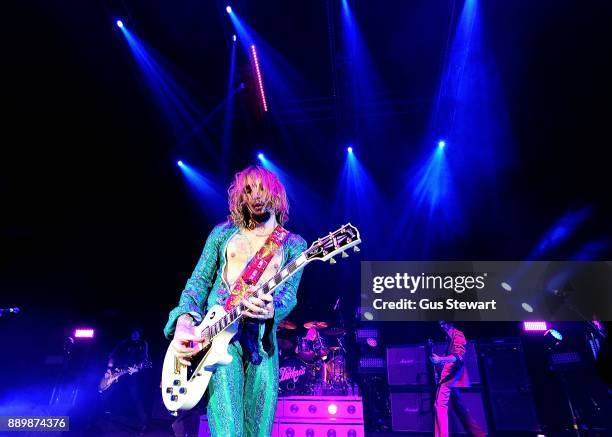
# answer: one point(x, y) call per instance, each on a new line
point(242, 396)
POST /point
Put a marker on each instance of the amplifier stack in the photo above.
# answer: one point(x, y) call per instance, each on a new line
point(411, 386)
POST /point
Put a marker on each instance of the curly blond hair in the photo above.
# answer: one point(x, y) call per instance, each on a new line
point(275, 198)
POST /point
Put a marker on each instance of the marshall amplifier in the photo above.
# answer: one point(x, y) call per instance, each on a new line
point(512, 404)
point(407, 365)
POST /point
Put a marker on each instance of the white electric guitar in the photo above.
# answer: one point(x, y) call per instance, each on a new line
point(183, 386)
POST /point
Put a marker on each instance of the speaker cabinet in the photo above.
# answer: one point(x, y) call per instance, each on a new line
point(407, 365)
point(414, 411)
point(512, 406)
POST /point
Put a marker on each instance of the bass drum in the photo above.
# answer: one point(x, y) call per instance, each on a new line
point(293, 376)
point(335, 371)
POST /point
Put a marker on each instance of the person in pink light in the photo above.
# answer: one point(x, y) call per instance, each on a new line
point(453, 375)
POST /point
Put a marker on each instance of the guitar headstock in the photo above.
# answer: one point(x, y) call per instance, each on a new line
point(336, 242)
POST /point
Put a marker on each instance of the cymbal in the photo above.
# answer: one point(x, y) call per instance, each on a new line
point(284, 343)
point(334, 348)
point(336, 332)
point(315, 325)
point(286, 324)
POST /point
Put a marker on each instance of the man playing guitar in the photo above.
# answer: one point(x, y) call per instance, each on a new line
point(453, 374)
point(241, 396)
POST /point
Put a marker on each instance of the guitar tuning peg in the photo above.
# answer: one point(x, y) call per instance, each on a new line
point(356, 249)
point(344, 255)
point(332, 261)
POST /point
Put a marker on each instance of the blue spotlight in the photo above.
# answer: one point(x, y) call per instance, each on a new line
point(119, 24)
point(349, 149)
point(228, 9)
point(206, 191)
point(261, 156)
point(234, 38)
point(441, 144)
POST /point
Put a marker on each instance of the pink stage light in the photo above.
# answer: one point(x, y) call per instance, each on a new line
point(262, 94)
point(332, 408)
point(535, 326)
point(83, 333)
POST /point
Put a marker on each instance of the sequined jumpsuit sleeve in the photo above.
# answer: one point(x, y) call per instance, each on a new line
point(193, 297)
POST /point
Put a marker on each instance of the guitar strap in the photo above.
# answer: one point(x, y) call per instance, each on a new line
point(255, 268)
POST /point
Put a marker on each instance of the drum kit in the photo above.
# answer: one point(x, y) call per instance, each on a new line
point(313, 364)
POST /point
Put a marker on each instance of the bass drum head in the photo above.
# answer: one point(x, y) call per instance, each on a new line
point(293, 375)
point(335, 371)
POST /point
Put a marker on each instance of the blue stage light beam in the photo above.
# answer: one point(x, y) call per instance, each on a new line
point(244, 32)
point(284, 88)
point(250, 46)
point(431, 187)
point(197, 130)
point(229, 110)
point(208, 194)
point(119, 24)
point(359, 200)
point(560, 231)
point(431, 214)
point(303, 201)
point(593, 250)
point(228, 9)
point(365, 84)
point(470, 93)
point(174, 101)
point(450, 88)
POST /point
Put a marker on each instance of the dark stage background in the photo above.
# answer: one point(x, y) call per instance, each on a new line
point(102, 228)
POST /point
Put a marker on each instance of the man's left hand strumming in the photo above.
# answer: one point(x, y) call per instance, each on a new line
point(261, 307)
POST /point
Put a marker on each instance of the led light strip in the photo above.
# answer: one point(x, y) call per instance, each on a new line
point(259, 79)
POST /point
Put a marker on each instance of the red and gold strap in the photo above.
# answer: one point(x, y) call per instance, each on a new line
point(253, 271)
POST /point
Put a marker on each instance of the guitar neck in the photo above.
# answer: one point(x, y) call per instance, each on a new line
point(284, 274)
point(323, 249)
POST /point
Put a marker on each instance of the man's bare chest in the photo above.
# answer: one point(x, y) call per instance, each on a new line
point(240, 249)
